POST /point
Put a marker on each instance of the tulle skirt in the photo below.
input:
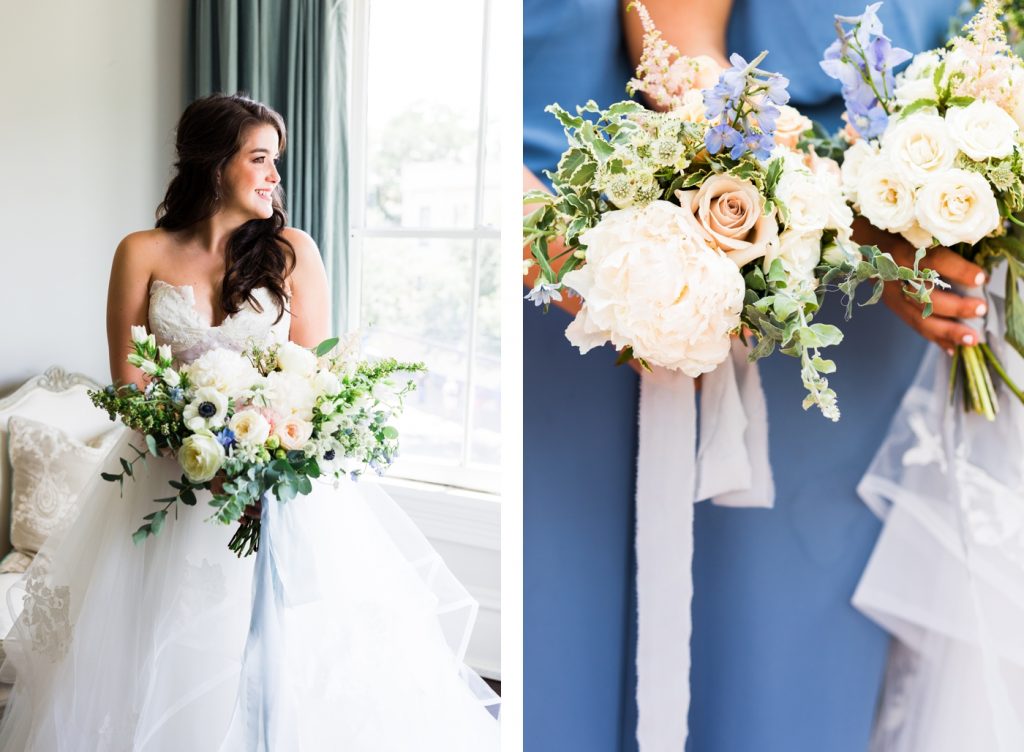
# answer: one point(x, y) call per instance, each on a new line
point(947, 575)
point(345, 632)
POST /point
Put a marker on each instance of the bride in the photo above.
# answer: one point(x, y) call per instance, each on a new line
point(346, 631)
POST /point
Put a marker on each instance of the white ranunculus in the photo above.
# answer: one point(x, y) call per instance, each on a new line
point(325, 382)
point(801, 192)
point(919, 144)
point(652, 282)
point(207, 410)
point(225, 370)
point(800, 253)
point(296, 359)
point(289, 393)
point(958, 206)
point(886, 198)
point(249, 427)
point(982, 130)
point(201, 456)
point(293, 432)
point(854, 160)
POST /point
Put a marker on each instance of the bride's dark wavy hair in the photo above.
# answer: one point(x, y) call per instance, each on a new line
point(211, 130)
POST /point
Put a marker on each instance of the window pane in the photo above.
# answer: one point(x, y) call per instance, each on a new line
point(485, 438)
point(415, 305)
point(491, 210)
point(423, 112)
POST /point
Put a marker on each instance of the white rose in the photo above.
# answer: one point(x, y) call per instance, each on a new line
point(293, 432)
point(800, 191)
point(917, 236)
point(854, 161)
point(886, 198)
point(917, 81)
point(921, 145)
point(800, 253)
point(982, 130)
point(325, 382)
point(200, 456)
point(249, 427)
point(225, 370)
point(958, 206)
point(296, 359)
point(653, 283)
point(207, 409)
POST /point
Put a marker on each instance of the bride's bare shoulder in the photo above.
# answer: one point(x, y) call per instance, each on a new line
point(143, 249)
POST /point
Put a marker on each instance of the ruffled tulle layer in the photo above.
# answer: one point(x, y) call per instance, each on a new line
point(346, 632)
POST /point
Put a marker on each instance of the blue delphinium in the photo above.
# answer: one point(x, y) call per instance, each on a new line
point(863, 60)
point(745, 102)
point(226, 437)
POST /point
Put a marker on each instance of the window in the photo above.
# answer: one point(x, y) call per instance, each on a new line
point(424, 242)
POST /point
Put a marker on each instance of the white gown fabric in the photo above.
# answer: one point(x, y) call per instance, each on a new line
point(947, 575)
point(345, 632)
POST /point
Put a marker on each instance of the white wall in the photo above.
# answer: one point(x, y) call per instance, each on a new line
point(89, 96)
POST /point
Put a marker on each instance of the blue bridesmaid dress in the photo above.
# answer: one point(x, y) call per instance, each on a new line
point(579, 421)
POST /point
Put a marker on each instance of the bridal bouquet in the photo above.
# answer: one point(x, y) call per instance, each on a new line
point(937, 157)
point(272, 418)
point(685, 227)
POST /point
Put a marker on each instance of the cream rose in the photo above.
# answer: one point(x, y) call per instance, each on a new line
point(294, 358)
point(200, 456)
point(652, 282)
point(692, 109)
point(957, 206)
point(790, 126)
point(293, 432)
point(730, 214)
point(917, 236)
point(982, 130)
point(249, 427)
point(885, 197)
point(920, 145)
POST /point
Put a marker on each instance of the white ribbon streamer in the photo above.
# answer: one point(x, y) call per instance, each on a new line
point(731, 465)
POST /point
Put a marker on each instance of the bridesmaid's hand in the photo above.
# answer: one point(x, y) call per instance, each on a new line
point(943, 327)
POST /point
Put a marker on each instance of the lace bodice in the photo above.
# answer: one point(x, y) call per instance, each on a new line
point(174, 321)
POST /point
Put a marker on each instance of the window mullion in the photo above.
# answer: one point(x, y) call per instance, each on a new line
point(358, 110)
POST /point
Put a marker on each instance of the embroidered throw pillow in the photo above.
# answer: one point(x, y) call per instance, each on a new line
point(49, 468)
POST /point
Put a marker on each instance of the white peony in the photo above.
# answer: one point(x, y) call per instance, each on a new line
point(296, 359)
point(653, 283)
point(982, 130)
point(225, 370)
point(207, 410)
point(249, 427)
point(325, 382)
point(201, 456)
point(886, 198)
point(800, 253)
point(801, 192)
point(289, 393)
point(920, 145)
point(958, 206)
point(855, 159)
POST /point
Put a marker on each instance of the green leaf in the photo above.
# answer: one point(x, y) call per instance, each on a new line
point(1014, 306)
point(755, 279)
point(188, 497)
point(390, 432)
point(305, 486)
point(827, 334)
point(876, 294)
point(325, 347)
point(959, 101)
point(158, 521)
point(917, 104)
point(888, 269)
point(625, 107)
point(127, 467)
point(151, 445)
point(140, 535)
point(777, 273)
point(110, 477)
point(568, 121)
point(823, 366)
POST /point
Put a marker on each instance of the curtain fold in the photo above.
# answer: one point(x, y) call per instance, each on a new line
point(289, 54)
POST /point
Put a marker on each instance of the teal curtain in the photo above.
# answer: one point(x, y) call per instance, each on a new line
point(289, 54)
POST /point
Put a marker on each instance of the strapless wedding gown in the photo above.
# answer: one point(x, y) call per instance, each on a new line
point(345, 632)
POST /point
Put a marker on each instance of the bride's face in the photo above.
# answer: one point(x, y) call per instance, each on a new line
point(251, 175)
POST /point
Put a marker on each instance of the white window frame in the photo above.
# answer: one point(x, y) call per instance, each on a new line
point(464, 475)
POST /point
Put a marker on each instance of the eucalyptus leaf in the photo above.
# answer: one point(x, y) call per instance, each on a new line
point(325, 347)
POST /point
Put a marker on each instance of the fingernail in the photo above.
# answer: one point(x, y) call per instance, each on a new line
point(968, 339)
point(981, 310)
point(980, 279)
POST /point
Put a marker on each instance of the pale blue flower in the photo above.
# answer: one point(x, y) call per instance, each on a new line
point(543, 293)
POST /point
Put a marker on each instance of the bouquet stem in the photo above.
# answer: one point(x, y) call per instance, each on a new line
point(980, 364)
point(246, 540)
